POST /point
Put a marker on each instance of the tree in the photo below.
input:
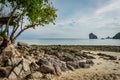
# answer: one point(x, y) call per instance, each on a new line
point(16, 16)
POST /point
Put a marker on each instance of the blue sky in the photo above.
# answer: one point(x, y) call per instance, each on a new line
point(78, 18)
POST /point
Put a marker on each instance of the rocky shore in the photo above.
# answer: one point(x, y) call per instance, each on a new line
point(60, 62)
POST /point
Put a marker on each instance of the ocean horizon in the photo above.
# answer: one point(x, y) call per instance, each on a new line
point(70, 41)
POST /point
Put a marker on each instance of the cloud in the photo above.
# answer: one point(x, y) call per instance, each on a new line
point(79, 24)
point(113, 5)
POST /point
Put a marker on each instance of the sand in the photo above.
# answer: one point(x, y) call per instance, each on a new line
point(102, 69)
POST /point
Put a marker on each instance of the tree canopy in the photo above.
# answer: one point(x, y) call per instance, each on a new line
point(24, 14)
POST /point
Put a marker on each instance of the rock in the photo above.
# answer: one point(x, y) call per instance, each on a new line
point(22, 44)
point(3, 73)
point(74, 64)
point(84, 65)
point(63, 67)
point(90, 62)
point(43, 61)
point(113, 57)
point(85, 55)
point(67, 57)
point(33, 66)
point(59, 55)
point(26, 66)
point(57, 69)
point(108, 57)
point(117, 36)
point(28, 77)
point(92, 36)
point(47, 69)
point(36, 75)
point(70, 67)
point(108, 37)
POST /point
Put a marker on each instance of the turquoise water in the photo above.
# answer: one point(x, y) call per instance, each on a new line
point(71, 41)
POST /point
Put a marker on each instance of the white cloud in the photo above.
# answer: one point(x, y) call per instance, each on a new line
point(113, 5)
point(80, 25)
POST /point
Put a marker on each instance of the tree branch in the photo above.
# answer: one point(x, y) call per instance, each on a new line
point(7, 25)
point(27, 27)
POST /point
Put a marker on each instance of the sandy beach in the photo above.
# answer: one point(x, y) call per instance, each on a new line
point(102, 70)
point(60, 62)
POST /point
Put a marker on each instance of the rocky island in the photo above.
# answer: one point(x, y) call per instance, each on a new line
point(117, 36)
point(92, 36)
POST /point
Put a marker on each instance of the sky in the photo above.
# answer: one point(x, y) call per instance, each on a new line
point(78, 18)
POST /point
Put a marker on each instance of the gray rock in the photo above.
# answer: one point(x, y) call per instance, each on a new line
point(74, 64)
point(47, 69)
point(57, 69)
point(84, 65)
point(33, 66)
point(3, 73)
point(68, 57)
point(22, 44)
point(113, 57)
point(63, 67)
point(90, 62)
point(36, 75)
point(70, 67)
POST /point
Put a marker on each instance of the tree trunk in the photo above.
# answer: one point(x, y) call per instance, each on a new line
point(6, 42)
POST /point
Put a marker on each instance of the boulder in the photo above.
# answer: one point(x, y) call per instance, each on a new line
point(90, 62)
point(70, 67)
point(63, 67)
point(84, 65)
point(47, 69)
point(33, 76)
point(22, 44)
point(67, 57)
point(92, 36)
point(33, 66)
point(74, 64)
point(3, 73)
point(113, 57)
point(57, 69)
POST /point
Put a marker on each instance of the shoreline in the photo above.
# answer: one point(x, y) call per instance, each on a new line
point(83, 47)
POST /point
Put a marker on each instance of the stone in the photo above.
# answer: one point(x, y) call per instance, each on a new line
point(47, 69)
point(33, 66)
point(43, 61)
point(57, 69)
point(3, 73)
point(92, 36)
point(22, 44)
point(36, 75)
point(113, 57)
point(70, 67)
point(25, 65)
point(84, 65)
point(68, 57)
point(90, 62)
point(63, 67)
point(74, 64)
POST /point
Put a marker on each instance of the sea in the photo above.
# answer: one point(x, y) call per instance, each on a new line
point(71, 41)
